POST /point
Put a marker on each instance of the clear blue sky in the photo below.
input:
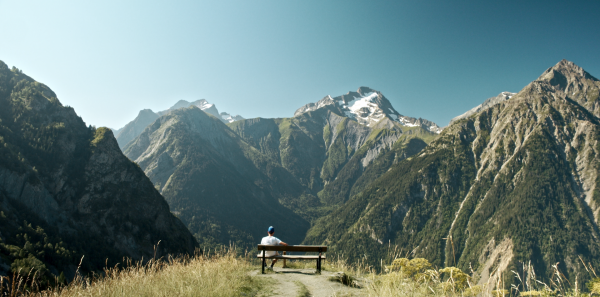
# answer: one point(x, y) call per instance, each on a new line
point(432, 59)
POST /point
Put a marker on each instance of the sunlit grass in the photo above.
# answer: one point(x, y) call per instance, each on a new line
point(217, 275)
point(228, 274)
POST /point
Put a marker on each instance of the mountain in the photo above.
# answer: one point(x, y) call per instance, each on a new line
point(115, 131)
point(135, 127)
point(222, 188)
point(332, 148)
point(67, 191)
point(227, 182)
point(147, 116)
point(513, 183)
point(485, 105)
point(228, 118)
point(367, 107)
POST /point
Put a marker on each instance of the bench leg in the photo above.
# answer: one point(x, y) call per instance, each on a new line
point(284, 261)
point(319, 264)
point(263, 263)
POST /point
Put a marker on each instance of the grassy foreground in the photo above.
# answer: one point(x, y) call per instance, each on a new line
point(217, 275)
point(227, 274)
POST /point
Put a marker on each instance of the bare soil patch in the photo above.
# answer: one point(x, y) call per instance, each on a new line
point(284, 282)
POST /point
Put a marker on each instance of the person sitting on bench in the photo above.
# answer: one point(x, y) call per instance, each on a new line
point(272, 240)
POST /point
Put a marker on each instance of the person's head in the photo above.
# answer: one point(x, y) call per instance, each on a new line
point(271, 230)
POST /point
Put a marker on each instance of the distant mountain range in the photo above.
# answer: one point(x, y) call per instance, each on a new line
point(248, 174)
point(147, 116)
point(67, 191)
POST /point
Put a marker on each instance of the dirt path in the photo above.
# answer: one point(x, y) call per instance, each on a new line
point(285, 283)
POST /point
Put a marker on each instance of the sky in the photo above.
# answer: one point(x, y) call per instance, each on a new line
point(431, 59)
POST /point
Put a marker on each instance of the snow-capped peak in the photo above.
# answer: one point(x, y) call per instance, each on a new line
point(205, 106)
point(363, 108)
point(229, 118)
point(367, 107)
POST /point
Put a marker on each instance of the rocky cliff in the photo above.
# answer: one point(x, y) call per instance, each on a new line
point(78, 194)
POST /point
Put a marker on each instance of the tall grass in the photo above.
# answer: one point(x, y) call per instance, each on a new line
point(221, 274)
point(450, 281)
point(225, 273)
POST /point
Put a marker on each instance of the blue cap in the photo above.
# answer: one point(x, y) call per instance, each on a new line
point(271, 229)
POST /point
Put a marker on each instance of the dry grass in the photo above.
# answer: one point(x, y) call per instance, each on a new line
point(225, 274)
point(218, 275)
point(434, 282)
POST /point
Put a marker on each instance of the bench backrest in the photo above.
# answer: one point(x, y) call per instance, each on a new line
point(293, 248)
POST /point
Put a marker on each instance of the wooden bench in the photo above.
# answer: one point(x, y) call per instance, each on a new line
point(292, 248)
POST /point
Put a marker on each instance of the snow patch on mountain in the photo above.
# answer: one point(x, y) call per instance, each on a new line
point(367, 107)
point(229, 118)
point(205, 106)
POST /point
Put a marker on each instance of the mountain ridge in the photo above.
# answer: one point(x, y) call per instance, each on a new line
point(146, 116)
point(513, 183)
point(368, 107)
point(485, 105)
point(208, 174)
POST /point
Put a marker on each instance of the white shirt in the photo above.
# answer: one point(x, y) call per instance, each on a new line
point(269, 240)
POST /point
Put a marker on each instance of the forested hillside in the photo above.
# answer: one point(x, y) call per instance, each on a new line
point(515, 183)
point(67, 191)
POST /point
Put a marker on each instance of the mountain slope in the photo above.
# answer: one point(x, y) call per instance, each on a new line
point(135, 127)
point(147, 116)
point(331, 153)
point(227, 182)
point(66, 190)
point(223, 189)
point(516, 182)
point(485, 105)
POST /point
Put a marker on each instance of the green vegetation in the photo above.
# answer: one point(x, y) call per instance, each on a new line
point(225, 190)
point(58, 202)
point(225, 273)
point(496, 190)
point(100, 135)
point(327, 135)
point(352, 178)
point(336, 157)
point(302, 290)
point(222, 274)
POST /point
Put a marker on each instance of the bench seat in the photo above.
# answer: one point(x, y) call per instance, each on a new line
point(292, 248)
point(293, 257)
